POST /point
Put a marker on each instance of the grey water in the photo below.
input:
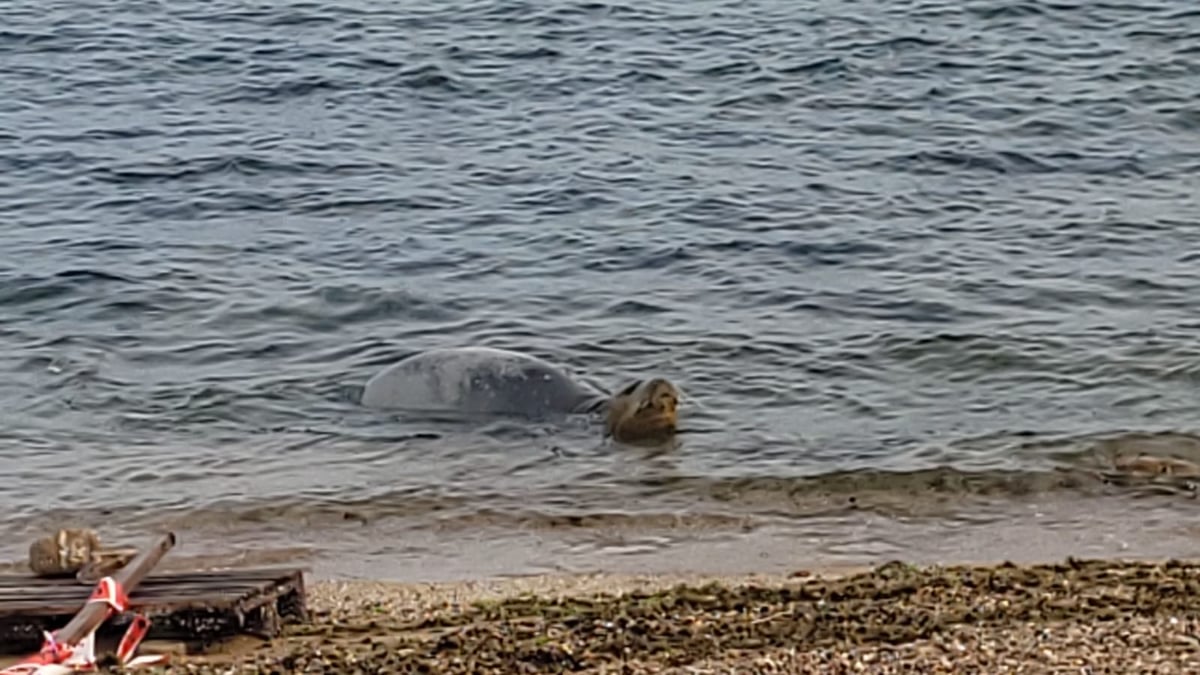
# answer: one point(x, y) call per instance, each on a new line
point(918, 266)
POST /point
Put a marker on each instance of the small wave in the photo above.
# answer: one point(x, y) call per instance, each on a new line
point(940, 161)
point(711, 503)
point(741, 67)
point(28, 289)
point(336, 308)
point(643, 75)
point(198, 168)
point(98, 134)
point(531, 520)
point(290, 18)
point(624, 257)
point(532, 53)
point(1187, 119)
point(431, 77)
point(635, 308)
point(286, 90)
point(85, 275)
point(764, 99)
point(836, 252)
point(202, 61)
point(1005, 10)
point(323, 203)
point(64, 159)
point(969, 355)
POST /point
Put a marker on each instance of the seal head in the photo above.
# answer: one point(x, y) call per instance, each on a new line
point(644, 411)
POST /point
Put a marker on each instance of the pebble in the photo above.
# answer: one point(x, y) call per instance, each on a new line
point(1074, 617)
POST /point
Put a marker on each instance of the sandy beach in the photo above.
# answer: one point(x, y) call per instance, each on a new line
point(1095, 616)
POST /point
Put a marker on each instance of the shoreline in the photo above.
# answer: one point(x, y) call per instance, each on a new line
point(1076, 616)
point(389, 550)
point(989, 597)
point(1037, 529)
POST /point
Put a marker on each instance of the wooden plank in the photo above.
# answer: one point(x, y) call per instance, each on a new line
point(198, 583)
point(228, 578)
point(161, 577)
point(75, 592)
point(165, 601)
point(223, 601)
point(11, 602)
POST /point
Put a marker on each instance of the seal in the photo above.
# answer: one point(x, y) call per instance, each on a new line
point(484, 380)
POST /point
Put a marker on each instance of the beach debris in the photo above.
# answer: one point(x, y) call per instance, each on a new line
point(78, 552)
point(71, 649)
point(1154, 465)
point(1158, 473)
point(194, 608)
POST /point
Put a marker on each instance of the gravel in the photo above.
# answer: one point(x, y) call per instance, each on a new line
point(1075, 617)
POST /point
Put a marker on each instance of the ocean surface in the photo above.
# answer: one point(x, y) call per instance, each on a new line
point(922, 269)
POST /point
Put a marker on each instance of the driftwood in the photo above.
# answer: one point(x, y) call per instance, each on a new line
point(78, 552)
point(127, 578)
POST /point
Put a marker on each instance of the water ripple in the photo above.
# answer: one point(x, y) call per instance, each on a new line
point(879, 255)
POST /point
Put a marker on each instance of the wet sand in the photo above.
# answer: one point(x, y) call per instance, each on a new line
point(1097, 616)
point(757, 601)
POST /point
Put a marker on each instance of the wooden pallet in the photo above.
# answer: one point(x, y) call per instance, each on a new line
point(194, 607)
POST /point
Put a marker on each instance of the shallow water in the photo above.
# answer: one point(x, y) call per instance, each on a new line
point(908, 254)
